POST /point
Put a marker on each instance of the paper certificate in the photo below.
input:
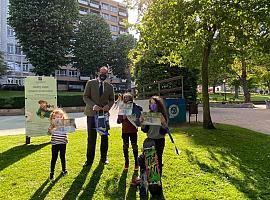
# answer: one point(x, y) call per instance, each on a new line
point(151, 118)
point(125, 109)
point(68, 124)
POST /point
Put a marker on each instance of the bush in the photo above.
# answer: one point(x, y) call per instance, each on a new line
point(12, 103)
point(70, 101)
point(62, 101)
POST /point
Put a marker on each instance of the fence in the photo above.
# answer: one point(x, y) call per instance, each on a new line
point(163, 88)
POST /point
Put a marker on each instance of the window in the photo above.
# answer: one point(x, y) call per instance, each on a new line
point(10, 48)
point(73, 73)
point(114, 28)
point(113, 18)
point(114, 37)
point(105, 16)
point(18, 49)
point(61, 72)
point(10, 32)
point(105, 6)
point(25, 67)
point(114, 9)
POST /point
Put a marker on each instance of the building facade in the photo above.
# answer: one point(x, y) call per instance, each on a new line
point(68, 78)
point(18, 66)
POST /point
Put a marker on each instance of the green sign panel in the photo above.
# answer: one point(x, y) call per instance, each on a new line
point(40, 100)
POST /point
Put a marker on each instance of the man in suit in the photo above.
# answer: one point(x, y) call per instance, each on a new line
point(98, 96)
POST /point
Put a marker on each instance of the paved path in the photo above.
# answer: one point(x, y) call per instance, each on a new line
point(257, 119)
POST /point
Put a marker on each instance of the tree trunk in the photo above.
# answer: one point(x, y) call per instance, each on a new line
point(207, 122)
point(268, 86)
point(245, 82)
point(214, 89)
point(236, 91)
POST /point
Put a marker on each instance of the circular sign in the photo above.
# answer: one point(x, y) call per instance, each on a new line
point(173, 111)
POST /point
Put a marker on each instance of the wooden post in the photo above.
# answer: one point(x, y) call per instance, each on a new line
point(27, 140)
point(159, 89)
point(182, 83)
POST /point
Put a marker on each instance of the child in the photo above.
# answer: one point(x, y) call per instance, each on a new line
point(157, 132)
point(129, 132)
point(58, 140)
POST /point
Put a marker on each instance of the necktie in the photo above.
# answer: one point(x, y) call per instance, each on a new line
point(100, 88)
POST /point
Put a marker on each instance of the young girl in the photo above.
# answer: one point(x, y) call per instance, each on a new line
point(157, 132)
point(129, 132)
point(58, 140)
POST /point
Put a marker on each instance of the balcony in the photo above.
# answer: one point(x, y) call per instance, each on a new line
point(94, 5)
point(82, 12)
point(83, 2)
point(123, 14)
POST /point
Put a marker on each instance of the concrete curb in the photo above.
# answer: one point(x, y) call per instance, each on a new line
point(231, 105)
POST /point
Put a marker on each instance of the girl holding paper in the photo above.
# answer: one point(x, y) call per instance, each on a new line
point(157, 132)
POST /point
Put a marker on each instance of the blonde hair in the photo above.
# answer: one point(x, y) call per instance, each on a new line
point(57, 111)
point(128, 95)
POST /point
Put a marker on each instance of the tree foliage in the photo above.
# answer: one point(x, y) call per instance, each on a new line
point(93, 44)
point(121, 62)
point(177, 29)
point(44, 29)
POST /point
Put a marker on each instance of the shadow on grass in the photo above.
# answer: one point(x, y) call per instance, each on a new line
point(15, 154)
point(91, 186)
point(131, 194)
point(40, 194)
point(77, 184)
point(111, 191)
point(230, 147)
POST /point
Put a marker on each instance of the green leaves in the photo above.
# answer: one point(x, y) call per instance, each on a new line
point(93, 44)
point(44, 29)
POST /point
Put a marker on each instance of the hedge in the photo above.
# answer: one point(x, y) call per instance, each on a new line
point(62, 101)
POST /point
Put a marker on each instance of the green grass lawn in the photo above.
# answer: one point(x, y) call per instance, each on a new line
point(226, 163)
point(219, 97)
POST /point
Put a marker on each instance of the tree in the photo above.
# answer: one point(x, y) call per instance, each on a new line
point(44, 30)
point(173, 26)
point(93, 44)
point(3, 67)
point(121, 62)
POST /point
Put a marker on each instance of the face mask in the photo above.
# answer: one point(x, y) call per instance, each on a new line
point(153, 107)
point(102, 77)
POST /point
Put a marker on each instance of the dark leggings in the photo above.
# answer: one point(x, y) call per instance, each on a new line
point(159, 146)
point(55, 149)
point(133, 140)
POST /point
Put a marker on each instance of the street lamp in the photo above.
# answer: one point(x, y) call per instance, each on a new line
point(224, 82)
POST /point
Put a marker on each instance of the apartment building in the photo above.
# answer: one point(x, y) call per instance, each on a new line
point(113, 12)
point(18, 66)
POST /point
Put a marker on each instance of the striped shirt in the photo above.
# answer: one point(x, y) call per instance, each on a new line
point(59, 136)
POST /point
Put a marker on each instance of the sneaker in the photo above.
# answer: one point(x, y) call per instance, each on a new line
point(136, 180)
point(65, 173)
point(136, 167)
point(51, 177)
point(126, 166)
